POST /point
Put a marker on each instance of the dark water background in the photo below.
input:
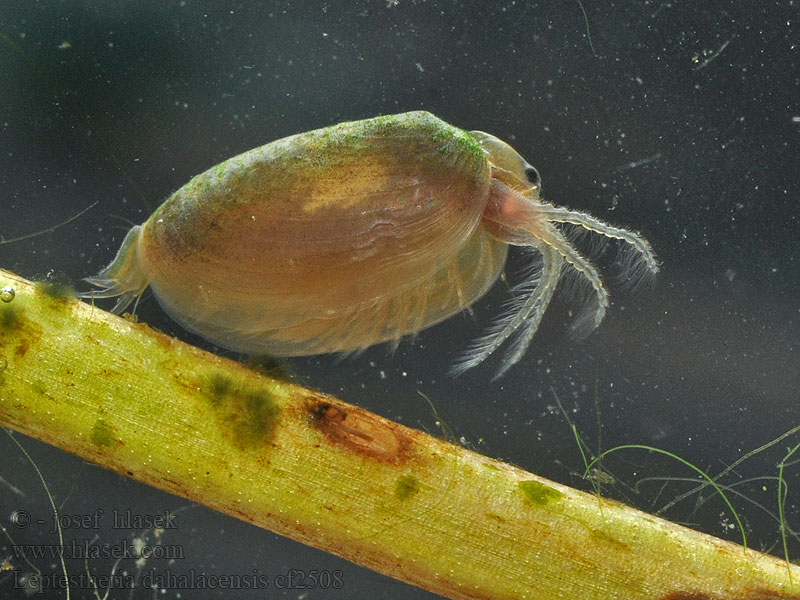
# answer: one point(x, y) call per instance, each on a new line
point(677, 119)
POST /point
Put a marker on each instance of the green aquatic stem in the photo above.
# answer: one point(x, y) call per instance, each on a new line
point(334, 476)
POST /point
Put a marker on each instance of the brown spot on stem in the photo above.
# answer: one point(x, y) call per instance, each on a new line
point(22, 349)
point(361, 431)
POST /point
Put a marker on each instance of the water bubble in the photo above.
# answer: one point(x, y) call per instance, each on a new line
point(7, 293)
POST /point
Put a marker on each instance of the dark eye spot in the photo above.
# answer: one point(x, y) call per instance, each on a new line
point(532, 175)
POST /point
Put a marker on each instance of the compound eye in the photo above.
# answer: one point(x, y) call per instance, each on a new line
point(532, 175)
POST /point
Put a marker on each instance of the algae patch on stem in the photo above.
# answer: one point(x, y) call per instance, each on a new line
point(538, 493)
point(406, 487)
point(247, 413)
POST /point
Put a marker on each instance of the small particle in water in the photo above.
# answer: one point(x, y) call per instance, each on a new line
point(7, 293)
point(3, 363)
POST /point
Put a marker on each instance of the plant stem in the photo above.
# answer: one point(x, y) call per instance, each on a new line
point(310, 467)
